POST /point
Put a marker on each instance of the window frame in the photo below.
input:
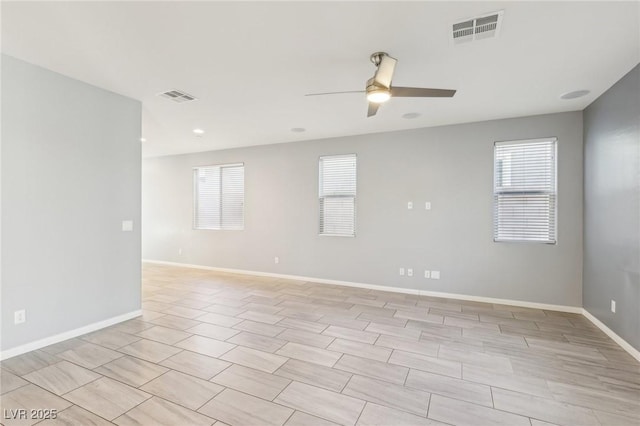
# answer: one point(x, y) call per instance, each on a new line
point(220, 167)
point(355, 197)
point(553, 192)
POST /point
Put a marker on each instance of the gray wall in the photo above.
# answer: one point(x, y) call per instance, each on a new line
point(70, 175)
point(450, 166)
point(612, 207)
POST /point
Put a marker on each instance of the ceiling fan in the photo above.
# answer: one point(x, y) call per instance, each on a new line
point(380, 90)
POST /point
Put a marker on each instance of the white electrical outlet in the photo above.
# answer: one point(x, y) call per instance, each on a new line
point(427, 274)
point(409, 272)
point(435, 275)
point(427, 205)
point(613, 306)
point(402, 272)
point(410, 205)
point(276, 259)
point(19, 316)
point(127, 225)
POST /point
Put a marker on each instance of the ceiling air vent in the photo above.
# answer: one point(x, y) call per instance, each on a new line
point(478, 28)
point(177, 96)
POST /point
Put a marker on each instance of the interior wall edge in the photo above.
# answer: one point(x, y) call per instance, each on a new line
point(57, 338)
point(457, 296)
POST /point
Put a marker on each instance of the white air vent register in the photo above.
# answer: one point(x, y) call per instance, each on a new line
point(177, 96)
point(478, 28)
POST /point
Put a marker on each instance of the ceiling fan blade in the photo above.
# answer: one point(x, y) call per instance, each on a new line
point(384, 74)
point(373, 108)
point(421, 92)
point(334, 93)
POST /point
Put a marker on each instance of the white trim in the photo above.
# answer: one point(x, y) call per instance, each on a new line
point(520, 303)
point(619, 340)
point(32, 346)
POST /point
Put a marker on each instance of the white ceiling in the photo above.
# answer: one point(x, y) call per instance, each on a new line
point(251, 63)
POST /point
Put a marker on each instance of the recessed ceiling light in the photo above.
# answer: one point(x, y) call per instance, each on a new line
point(143, 140)
point(298, 129)
point(575, 94)
point(411, 115)
point(198, 132)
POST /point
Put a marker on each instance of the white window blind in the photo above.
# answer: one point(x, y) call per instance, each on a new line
point(219, 197)
point(525, 191)
point(337, 195)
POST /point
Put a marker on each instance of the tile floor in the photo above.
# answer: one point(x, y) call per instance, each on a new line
point(218, 348)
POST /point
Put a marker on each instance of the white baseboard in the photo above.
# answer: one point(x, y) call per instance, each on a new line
point(619, 340)
point(32, 346)
point(520, 303)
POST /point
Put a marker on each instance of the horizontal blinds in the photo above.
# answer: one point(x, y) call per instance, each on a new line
point(337, 193)
point(525, 191)
point(219, 197)
point(233, 197)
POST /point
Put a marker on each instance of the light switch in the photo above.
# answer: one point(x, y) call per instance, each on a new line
point(427, 274)
point(410, 205)
point(127, 225)
point(435, 275)
point(409, 272)
point(427, 205)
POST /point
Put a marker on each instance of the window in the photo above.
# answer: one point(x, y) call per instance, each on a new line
point(337, 194)
point(218, 197)
point(524, 191)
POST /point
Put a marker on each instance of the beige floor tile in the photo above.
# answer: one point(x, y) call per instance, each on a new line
point(26, 398)
point(31, 361)
point(75, 415)
point(250, 381)
point(149, 350)
point(374, 369)
point(301, 324)
point(410, 333)
point(110, 338)
point(159, 412)
point(257, 341)
point(351, 334)
point(62, 377)
point(387, 394)
point(205, 346)
point(172, 321)
point(259, 328)
point(164, 334)
point(237, 408)
point(500, 364)
point(611, 419)
point(303, 419)
point(261, 317)
point(182, 311)
point(462, 413)
point(543, 409)
point(314, 374)
point(449, 386)
point(427, 363)
point(63, 346)
point(363, 350)
point(509, 381)
point(107, 398)
point(213, 331)
point(132, 326)
point(322, 403)
point(306, 338)
point(253, 358)
point(408, 345)
point(378, 415)
point(182, 389)
point(132, 371)
point(219, 319)
point(195, 364)
point(89, 355)
point(9, 381)
point(309, 354)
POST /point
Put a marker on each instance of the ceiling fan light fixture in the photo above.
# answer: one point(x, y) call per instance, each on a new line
point(378, 96)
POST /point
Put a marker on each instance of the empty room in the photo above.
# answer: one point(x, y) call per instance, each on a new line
point(320, 213)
